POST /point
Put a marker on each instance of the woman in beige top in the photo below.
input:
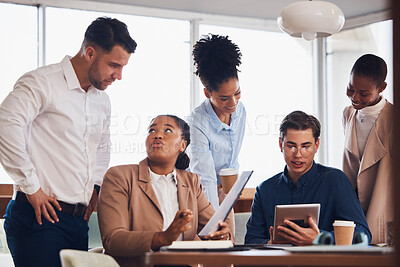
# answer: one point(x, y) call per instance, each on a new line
point(368, 146)
point(143, 207)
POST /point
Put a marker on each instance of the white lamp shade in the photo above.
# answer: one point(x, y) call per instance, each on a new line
point(310, 19)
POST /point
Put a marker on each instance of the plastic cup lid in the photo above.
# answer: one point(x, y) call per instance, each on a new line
point(229, 171)
point(343, 223)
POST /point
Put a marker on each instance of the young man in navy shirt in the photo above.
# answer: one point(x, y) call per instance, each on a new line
point(303, 181)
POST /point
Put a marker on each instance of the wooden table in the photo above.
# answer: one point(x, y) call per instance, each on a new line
point(269, 258)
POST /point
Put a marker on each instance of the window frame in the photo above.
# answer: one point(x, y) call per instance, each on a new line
point(195, 19)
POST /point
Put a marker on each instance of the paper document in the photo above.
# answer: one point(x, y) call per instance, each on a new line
point(222, 211)
point(201, 244)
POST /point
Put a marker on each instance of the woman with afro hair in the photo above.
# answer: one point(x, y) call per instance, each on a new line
point(218, 124)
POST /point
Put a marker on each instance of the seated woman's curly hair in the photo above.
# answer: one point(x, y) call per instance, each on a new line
point(216, 59)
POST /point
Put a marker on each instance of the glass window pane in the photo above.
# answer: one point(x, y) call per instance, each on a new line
point(19, 49)
point(344, 48)
point(276, 79)
point(156, 80)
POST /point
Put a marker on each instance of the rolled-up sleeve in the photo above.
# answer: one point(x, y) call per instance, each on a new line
point(103, 152)
point(17, 112)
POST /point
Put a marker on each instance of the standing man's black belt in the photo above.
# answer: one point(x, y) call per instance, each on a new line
point(76, 210)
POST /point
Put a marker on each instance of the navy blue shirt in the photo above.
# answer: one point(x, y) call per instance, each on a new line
point(328, 186)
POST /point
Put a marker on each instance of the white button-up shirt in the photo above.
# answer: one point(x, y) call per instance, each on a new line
point(54, 135)
point(165, 187)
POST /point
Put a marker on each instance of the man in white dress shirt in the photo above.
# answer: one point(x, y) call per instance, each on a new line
point(55, 145)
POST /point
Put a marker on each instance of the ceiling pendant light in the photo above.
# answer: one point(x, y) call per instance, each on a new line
point(310, 19)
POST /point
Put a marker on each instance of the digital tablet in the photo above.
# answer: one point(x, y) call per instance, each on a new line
point(297, 213)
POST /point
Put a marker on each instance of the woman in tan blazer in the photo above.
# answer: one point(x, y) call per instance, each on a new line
point(368, 125)
point(143, 207)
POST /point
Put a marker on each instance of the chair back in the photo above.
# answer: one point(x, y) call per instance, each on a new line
point(94, 232)
point(241, 219)
point(79, 258)
point(3, 240)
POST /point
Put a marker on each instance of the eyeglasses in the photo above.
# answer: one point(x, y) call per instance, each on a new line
point(305, 151)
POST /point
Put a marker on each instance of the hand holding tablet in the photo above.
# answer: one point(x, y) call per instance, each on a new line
point(294, 216)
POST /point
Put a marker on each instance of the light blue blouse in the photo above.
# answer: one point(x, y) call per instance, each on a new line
point(214, 145)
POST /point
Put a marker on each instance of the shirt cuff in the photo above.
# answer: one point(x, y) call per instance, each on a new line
point(30, 187)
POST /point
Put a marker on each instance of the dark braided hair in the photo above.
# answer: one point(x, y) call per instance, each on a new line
point(216, 59)
point(182, 162)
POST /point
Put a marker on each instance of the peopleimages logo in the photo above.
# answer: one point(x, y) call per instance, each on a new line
point(132, 124)
point(264, 124)
point(128, 131)
point(128, 146)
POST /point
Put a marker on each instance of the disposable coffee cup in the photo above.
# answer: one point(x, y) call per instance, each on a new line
point(228, 178)
point(344, 231)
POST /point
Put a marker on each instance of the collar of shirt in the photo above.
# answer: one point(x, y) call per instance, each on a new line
point(307, 178)
point(71, 78)
point(217, 124)
point(373, 110)
point(154, 177)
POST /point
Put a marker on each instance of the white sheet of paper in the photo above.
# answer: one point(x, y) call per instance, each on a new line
point(222, 211)
point(201, 244)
